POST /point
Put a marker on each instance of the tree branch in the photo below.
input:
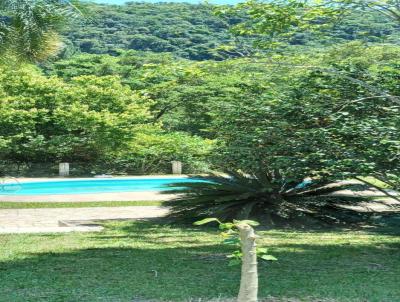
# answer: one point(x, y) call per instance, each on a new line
point(373, 89)
point(360, 100)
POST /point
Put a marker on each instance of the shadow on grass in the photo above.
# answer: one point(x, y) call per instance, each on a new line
point(118, 274)
point(377, 223)
point(174, 264)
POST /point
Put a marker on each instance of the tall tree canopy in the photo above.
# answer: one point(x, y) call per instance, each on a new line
point(279, 22)
point(195, 32)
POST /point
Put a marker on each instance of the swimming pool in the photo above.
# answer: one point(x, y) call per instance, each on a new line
point(91, 186)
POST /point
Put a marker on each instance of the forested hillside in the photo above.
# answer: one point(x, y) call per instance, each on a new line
point(189, 31)
point(194, 32)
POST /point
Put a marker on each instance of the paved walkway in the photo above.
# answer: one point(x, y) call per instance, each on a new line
point(70, 219)
point(123, 196)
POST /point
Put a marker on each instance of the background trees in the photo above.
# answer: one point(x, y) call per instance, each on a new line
point(188, 31)
point(388, 8)
point(195, 32)
point(286, 114)
point(276, 23)
point(91, 119)
point(307, 123)
point(293, 133)
point(48, 120)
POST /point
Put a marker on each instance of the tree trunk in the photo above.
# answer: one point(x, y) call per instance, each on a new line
point(249, 279)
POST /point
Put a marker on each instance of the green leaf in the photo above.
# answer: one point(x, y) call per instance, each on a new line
point(206, 220)
point(235, 254)
point(268, 258)
point(226, 226)
point(262, 250)
point(249, 222)
point(234, 262)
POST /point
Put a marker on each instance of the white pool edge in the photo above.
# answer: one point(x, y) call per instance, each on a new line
point(48, 179)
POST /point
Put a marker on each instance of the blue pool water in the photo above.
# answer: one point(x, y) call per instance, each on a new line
point(88, 186)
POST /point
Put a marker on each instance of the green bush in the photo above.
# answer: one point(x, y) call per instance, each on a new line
point(93, 120)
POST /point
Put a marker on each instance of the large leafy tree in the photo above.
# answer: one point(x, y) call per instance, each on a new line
point(92, 119)
point(44, 120)
point(299, 134)
point(276, 22)
point(308, 123)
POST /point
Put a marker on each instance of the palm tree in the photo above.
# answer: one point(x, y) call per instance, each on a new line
point(29, 29)
point(241, 196)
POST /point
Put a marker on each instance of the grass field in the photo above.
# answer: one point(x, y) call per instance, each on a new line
point(85, 204)
point(143, 261)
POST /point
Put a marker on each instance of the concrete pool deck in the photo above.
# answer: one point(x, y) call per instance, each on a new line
point(61, 220)
point(117, 196)
point(122, 196)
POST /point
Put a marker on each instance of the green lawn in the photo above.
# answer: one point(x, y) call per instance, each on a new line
point(131, 260)
point(34, 205)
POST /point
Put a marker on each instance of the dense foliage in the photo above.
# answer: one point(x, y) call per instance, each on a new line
point(310, 115)
point(189, 31)
point(196, 33)
point(279, 23)
point(46, 119)
point(307, 122)
point(89, 119)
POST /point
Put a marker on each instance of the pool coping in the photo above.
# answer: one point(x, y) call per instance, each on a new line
point(59, 178)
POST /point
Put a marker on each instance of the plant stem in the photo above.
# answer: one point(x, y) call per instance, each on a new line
point(249, 280)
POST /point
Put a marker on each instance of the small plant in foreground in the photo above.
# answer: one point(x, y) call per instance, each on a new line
point(241, 232)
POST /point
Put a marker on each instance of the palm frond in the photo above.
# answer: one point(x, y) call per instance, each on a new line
point(233, 195)
point(31, 29)
point(325, 189)
point(237, 195)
